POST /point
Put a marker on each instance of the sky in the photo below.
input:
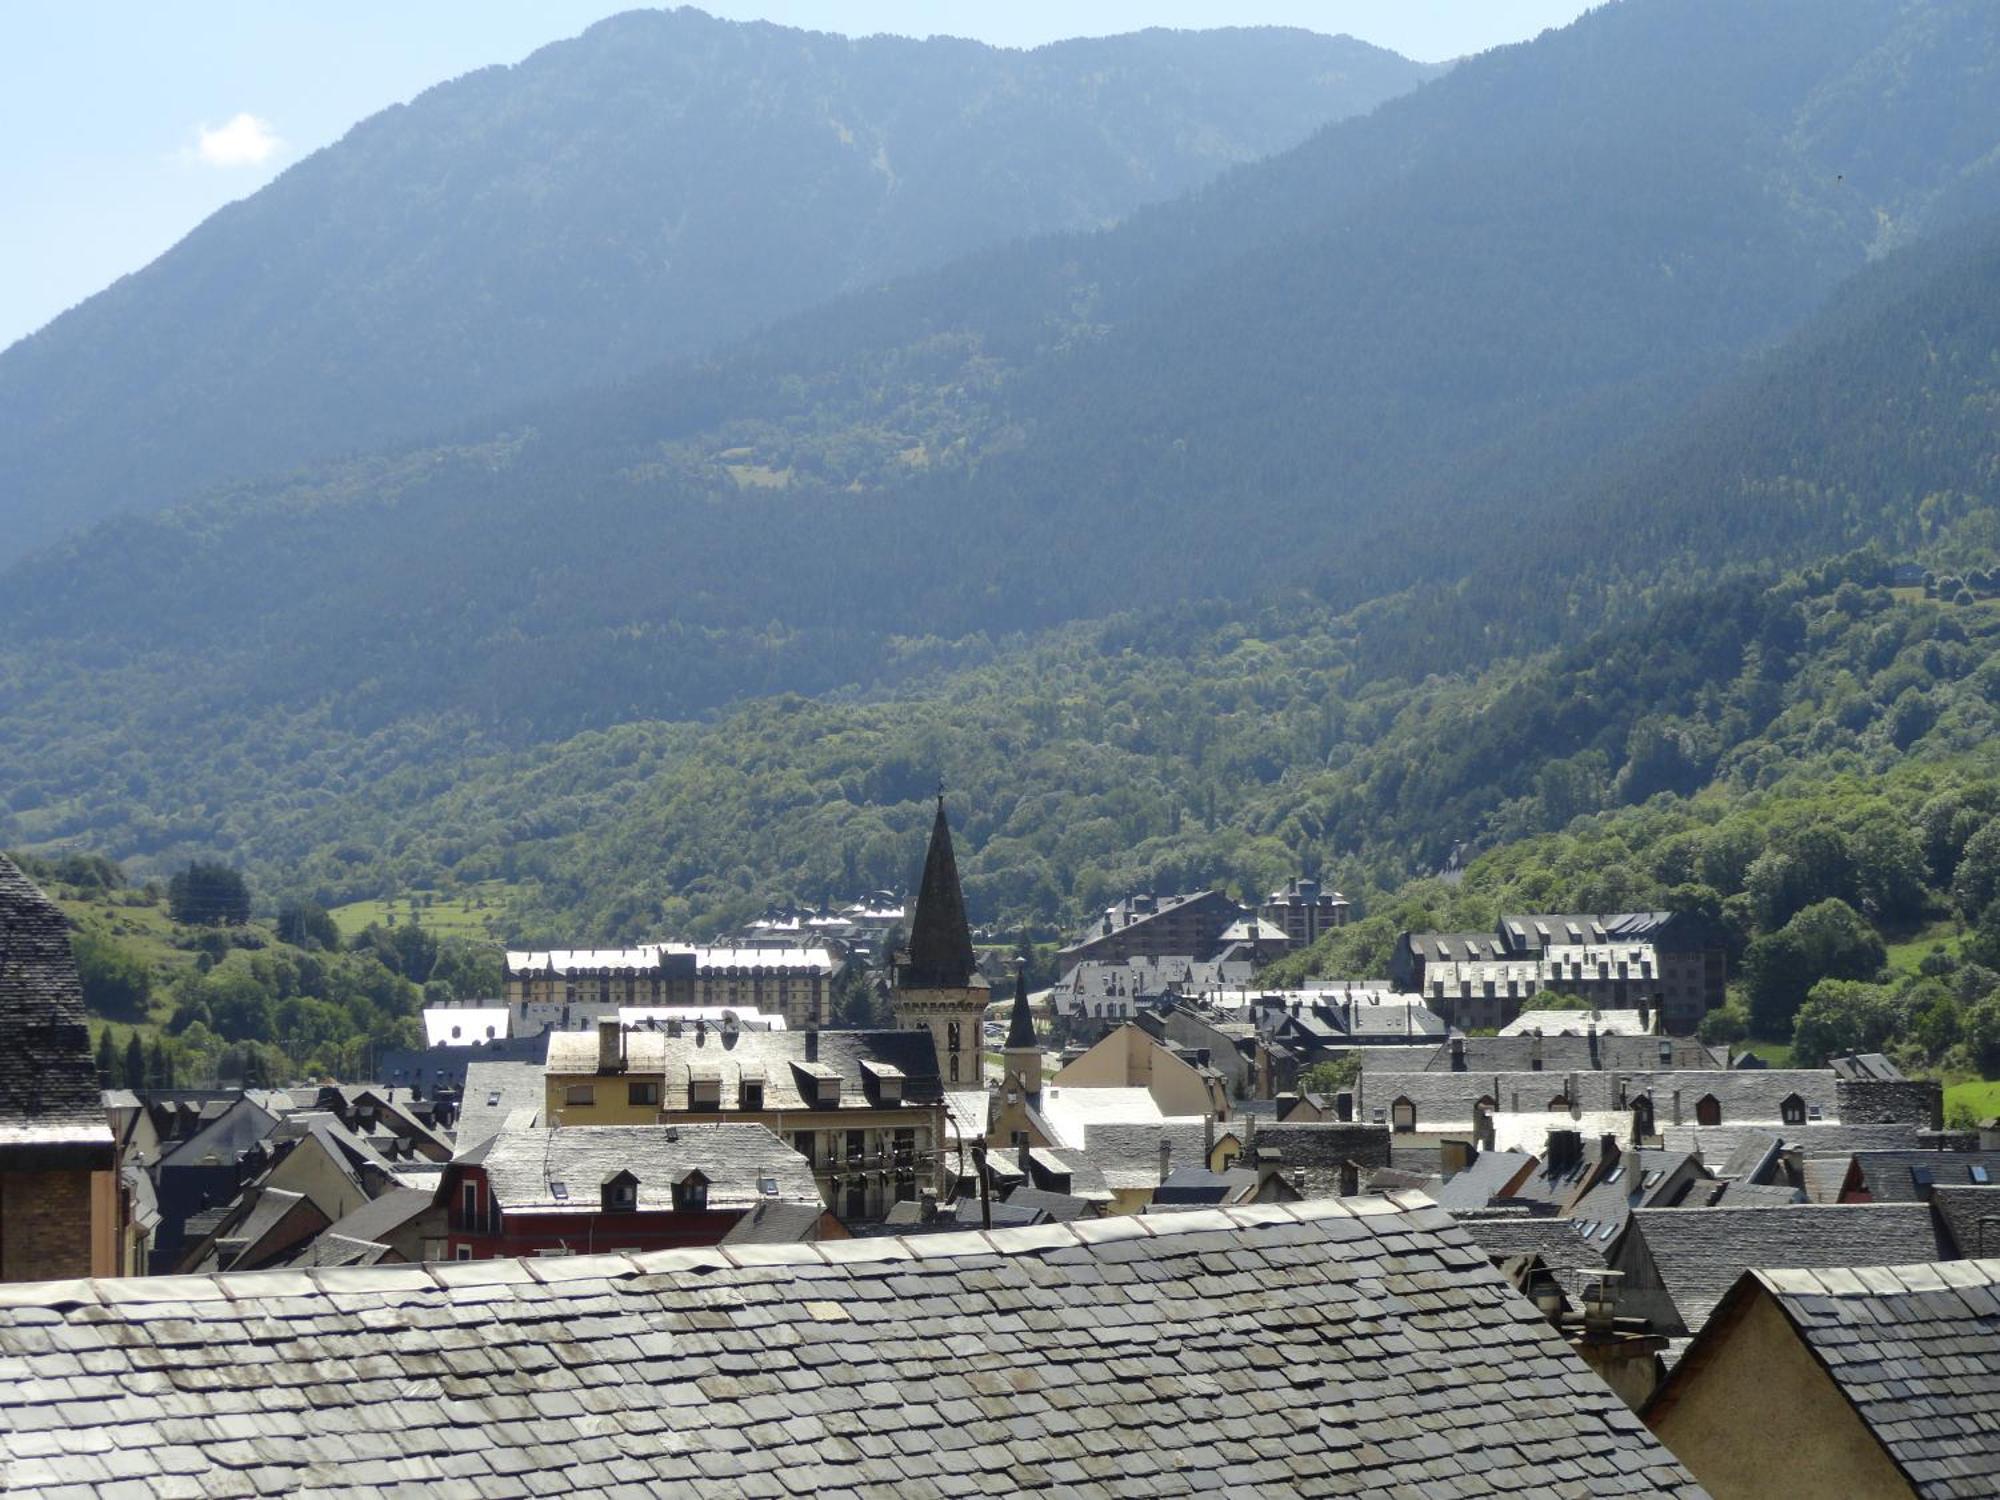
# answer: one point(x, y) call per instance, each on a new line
point(131, 121)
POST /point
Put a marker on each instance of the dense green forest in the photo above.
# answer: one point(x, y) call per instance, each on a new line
point(660, 185)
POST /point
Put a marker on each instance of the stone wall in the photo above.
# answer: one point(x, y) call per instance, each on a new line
point(1917, 1101)
point(45, 1225)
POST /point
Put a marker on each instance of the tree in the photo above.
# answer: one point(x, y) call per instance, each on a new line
point(209, 895)
point(135, 1062)
point(107, 1060)
point(1726, 1025)
point(160, 1070)
point(1840, 1015)
point(1331, 1077)
point(307, 924)
point(1828, 940)
point(116, 982)
point(1977, 879)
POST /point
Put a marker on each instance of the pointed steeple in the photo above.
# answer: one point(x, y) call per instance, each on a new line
point(940, 952)
point(1021, 1025)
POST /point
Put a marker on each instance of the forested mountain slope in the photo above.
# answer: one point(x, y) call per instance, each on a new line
point(663, 183)
point(346, 678)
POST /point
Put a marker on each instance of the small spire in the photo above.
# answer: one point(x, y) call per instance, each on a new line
point(1021, 1025)
point(940, 954)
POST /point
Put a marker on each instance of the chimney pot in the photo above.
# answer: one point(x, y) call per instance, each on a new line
point(1166, 1157)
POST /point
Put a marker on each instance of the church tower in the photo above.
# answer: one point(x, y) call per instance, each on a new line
point(938, 983)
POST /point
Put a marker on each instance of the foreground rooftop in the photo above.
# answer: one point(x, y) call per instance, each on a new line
point(1351, 1347)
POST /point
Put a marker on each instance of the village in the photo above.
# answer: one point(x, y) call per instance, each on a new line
point(1101, 1233)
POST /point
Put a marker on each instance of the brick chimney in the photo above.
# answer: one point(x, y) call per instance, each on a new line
point(610, 1046)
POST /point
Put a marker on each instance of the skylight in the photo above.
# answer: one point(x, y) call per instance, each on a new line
point(559, 1191)
point(1977, 1173)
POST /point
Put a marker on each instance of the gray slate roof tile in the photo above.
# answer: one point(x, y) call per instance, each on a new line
point(1285, 1348)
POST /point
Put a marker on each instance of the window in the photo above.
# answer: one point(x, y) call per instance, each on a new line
point(1403, 1115)
point(1614, 1174)
point(857, 1144)
point(469, 1204)
point(857, 1199)
point(1708, 1110)
point(750, 1095)
point(691, 1193)
point(802, 1142)
point(642, 1093)
point(951, 1033)
point(1978, 1174)
point(559, 1191)
point(1792, 1110)
point(621, 1193)
point(954, 1067)
point(580, 1094)
point(463, 1252)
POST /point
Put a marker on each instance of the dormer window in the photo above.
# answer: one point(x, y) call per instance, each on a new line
point(691, 1192)
point(886, 1081)
point(750, 1087)
point(621, 1193)
point(704, 1085)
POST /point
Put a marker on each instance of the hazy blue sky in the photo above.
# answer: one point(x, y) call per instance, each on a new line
point(133, 120)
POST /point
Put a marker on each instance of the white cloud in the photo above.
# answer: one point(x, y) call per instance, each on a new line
point(243, 142)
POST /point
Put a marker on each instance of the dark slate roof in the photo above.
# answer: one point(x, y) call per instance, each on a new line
point(1481, 1182)
point(777, 1054)
point(1275, 1349)
point(1756, 1195)
point(1915, 1349)
point(1638, 1179)
point(1971, 1216)
point(1699, 1252)
point(49, 1094)
point(775, 1222)
point(940, 954)
point(1058, 1208)
point(1021, 1024)
point(1908, 1176)
point(1556, 1242)
point(1866, 1067)
point(524, 1166)
point(329, 1249)
point(384, 1215)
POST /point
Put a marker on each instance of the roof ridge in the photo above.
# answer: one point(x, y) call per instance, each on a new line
point(449, 1275)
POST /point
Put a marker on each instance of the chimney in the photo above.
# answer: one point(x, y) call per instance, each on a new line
point(1027, 1169)
point(1535, 1053)
point(1607, 1152)
point(1166, 1157)
point(1458, 1054)
point(1207, 1139)
point(1350, 1178)
point(1455, 1156)
point(927, 1204)
point(812, 1046)
point(1677, 1106)
point(610, 1045)
point(1343, 1106)
point(1591, 1032)
point(1482, 1127)
point(1645, 1017)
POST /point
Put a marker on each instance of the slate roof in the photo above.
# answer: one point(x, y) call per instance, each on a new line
point(1971, 1216)
point(329, 1249)
point(778, 1054)
point(523, 1166)
point(1481, 1182)
point(1273, 1349)
point(1555, 1022)
point(1718, 1143)
point(1752, 1195)
point(494, 1091)
point(50, 1101)
point(1915, 1349)
point(1565, 1252)
point(1908, 1176)
point(1021, 1021)
point(384, 1215)
point(1699, 1253)
point(940, 954)
point(776, 1222)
